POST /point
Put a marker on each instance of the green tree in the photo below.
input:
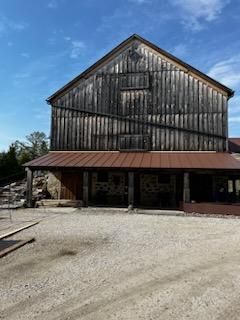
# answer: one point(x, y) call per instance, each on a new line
point(35, 146)
point(9, 164)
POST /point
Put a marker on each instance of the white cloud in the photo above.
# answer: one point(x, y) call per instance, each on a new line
point(23, 75)
point(76, 49)
point(234, 119)
point(34, 72)
point(197, 12)
point(10, 44)
point(52, 40)
point(53, 4)
point(227, 71)
point(18, 26)
point(179, 50)
point(140, 1)
point(67, 38)
point(25, 55)
point(7, 24)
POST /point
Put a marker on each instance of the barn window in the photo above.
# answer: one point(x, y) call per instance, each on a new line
point(134, 81)
point(134, 142)
point(135, 56)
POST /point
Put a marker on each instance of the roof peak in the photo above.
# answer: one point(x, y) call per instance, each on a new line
point(168, 55)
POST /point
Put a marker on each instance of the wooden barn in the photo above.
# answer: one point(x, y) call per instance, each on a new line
point(141, 128)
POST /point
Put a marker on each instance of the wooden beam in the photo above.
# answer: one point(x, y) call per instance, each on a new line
point(186, 187)
point(10, 233)
point(29, 187)
point(85, 188)
point(139, 121)
point(17, 245)
point(130, 189)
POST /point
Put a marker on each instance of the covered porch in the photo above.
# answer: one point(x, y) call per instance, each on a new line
point(161, 180)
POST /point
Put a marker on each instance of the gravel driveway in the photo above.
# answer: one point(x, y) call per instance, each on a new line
point(123, 266)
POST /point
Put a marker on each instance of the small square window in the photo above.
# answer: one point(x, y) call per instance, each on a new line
point(135, 81)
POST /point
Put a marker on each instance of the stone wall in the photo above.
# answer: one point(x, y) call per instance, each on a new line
point(54, 184)
point(109, 191)
point(154, 192)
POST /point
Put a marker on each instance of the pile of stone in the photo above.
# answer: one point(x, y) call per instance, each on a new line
point(13, 195)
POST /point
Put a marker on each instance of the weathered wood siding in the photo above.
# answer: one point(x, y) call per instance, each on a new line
point(157, 103)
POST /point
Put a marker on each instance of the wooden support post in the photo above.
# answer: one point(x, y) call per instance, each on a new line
point(234, 190)
point(186, 187)
point(173, 196)
point(130, 189)
point(85, 188)
point(29, 187)
point(213, 187)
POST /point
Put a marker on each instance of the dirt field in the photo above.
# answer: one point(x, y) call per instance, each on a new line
point(123, 266)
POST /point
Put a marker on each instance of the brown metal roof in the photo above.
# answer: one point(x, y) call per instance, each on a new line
point(234, 145)
point(136, 160)
point(235, 140)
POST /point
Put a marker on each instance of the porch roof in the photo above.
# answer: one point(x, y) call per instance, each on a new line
point(135, 160)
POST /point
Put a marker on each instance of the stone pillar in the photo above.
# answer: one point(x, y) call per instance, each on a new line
point(85, 188)
point(186, 187)
point(29, 187)
point(130, 189)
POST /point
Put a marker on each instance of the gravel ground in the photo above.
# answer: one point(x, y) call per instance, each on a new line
point(123, 266)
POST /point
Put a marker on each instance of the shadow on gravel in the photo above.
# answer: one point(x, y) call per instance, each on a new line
point(67, 252)
point(47, 256)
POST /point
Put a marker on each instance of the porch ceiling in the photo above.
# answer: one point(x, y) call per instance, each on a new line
point(135, 160)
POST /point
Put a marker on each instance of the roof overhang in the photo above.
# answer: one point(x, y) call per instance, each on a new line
point(135, 160)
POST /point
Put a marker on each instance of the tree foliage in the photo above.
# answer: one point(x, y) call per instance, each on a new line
point(19, 152)
point(35, 146)
point(9, 164)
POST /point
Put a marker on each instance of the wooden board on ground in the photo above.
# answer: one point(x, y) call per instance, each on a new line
point(12, 232)
point(11, 245)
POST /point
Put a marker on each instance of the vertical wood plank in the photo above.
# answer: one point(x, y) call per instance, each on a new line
point(131, 189)
point(85, 188)
point(29, 187)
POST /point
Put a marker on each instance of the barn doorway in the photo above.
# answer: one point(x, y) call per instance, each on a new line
point(71, 185)
point(201, 186)
point(156, 190)
point(108, 188)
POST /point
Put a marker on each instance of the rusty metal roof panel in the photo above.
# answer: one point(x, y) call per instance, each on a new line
point(151, 160)
point(146, 161)
point(131, 158)
point(119, 160)
point(136, 163)
point(234, 140)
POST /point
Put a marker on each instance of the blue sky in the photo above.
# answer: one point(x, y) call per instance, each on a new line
point(44, 44)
